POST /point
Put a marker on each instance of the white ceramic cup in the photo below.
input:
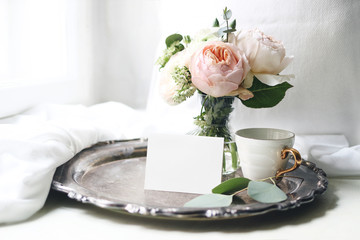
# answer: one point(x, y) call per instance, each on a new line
point(264, 152)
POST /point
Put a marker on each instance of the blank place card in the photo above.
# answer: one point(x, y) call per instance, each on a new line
point(183, 163)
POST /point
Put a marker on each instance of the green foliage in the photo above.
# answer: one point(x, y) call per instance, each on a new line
point(224, 32)
point(229, 30)
point(258, 190)
point(173, 38)
point(216, 23)
point(265, 192)
point(210, 200)
point(187, 39)
point(227, 14)
point(173, 46)
point(266, 96)
point(233, 24)
point(214, 116)
point(231, 186)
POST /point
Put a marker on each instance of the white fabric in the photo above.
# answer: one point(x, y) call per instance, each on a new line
point(34, 143)
point(331, 153)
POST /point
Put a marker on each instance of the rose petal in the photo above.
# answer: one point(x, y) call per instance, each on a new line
point(242, 93)
point(248, 81)
point(284, 63)
point(272, 80)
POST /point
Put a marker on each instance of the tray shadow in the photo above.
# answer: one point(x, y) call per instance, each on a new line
point(275, 219)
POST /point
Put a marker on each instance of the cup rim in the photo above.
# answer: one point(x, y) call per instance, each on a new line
point(241, 133)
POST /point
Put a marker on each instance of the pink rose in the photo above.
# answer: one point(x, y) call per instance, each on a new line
point(218, 69)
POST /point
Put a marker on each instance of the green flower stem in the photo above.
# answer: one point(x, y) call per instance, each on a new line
point(224, 162)
point(234, 156)
point(227, 34)
point(244, 189)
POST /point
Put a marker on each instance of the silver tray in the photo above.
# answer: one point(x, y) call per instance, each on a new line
point(110, 175)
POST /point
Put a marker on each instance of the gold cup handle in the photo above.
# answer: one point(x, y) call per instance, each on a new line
point(297, 163)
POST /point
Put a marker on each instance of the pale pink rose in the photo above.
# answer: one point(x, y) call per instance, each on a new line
point(218, 68)
point(265, 54)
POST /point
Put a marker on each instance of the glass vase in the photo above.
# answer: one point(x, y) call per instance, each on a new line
point(213, 121)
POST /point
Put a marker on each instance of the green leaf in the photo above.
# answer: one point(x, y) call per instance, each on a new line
point(229, 30)
point(265, 192)
point(173, 38)
point(216, 23)
point(231, 186)
point(233, 24)
point(187, 39)
point(210, 200)
point(178, 48)
point(266, 96)
point(227, 14)
point(221, 31)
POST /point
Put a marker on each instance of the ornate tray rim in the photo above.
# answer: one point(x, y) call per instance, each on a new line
point(79, 193)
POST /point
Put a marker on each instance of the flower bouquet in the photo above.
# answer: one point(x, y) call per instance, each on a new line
point(223, 64)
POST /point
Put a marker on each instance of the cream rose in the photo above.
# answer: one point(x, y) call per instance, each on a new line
point(219, 68)
point(266, 56)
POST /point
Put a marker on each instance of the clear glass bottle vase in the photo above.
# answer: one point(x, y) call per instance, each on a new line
point(213, 121)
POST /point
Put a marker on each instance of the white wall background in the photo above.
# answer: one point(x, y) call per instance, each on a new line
point(323, 35)
point(118, 41)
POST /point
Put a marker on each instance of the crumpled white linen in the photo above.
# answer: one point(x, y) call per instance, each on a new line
point(33, 144)
point(331, 153)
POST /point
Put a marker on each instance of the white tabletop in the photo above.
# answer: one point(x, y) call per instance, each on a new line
point(333, 215)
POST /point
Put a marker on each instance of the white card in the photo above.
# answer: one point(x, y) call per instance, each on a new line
point(183, 163)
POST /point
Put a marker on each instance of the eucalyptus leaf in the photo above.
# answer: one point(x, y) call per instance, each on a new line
point(227, 14)
point(233, 24)
point(216, 23)
point(265, 192)
point(173, 38)
point(210, 200)
point(231, 186)
point(266, 96)
point(229, 30)
point(221, 31)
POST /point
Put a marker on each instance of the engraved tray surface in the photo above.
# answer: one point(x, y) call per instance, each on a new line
point(110, 175)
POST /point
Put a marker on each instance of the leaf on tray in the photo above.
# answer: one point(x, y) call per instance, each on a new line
point(210, 200)
point(231, 186)
point(265, 192)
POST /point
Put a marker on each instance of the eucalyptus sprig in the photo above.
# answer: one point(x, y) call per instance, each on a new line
point(223, 194)
point(229, 28)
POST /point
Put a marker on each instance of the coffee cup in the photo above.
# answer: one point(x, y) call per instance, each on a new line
point(264, 152)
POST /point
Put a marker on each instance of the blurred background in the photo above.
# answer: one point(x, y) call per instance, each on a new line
point(94, 51)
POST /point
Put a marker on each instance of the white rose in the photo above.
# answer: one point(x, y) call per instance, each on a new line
point(266, 56)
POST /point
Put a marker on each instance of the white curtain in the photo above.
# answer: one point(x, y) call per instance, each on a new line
point(43, 46)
